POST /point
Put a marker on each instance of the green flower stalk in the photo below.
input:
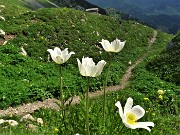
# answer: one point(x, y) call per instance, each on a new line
point(87, 107)
point(60, 57)
point(104, 91)
point(115, 46)
point(89, 69)
point(61, 84)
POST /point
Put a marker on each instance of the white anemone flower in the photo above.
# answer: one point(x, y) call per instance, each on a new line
point(12, 122)
point(115, 46)
point(132, 114)
point(2, 121)
point(59, 56)
point(88, 67)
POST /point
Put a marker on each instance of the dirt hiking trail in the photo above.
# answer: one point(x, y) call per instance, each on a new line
point(51, 103)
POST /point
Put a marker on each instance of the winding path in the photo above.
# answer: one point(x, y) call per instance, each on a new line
point(51, 103)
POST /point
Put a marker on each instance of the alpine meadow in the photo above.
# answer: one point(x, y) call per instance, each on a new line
point(66, 71)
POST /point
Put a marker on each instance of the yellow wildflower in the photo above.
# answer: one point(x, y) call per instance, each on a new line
point(161, 92)
point(56, 129)
point(146, 98)
point(160, 97)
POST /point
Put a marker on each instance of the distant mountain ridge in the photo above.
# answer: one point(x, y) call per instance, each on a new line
point(162, 14)
point(148, 6)
point(77, 4)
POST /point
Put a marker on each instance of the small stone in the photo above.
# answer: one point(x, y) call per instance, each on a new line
point(32, 127)
point(40, 121)
point(27, 117)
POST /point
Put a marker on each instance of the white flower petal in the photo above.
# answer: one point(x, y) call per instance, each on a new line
point(88, 61)
point(100, 67)
point(94, 71)
point(59, 60)
point(118, 45)
point(121, 46)
point(144, 125)
point(85, 60)
point(65, 52)
point(88, 67)
point(53, 54)
point(58, 51)
point(128, 105)
point(59, 56)
point(115, 46)
point(81, 68)
point(106, 45)
point(138, 111)
point(68, 56)
point(118, 104)
point(2, 121)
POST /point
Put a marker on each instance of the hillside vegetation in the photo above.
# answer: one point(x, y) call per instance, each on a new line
point(27, 76)
point(35, 77)
point(167, 65)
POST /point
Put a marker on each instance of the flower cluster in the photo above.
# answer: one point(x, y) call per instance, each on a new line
point(88, 68)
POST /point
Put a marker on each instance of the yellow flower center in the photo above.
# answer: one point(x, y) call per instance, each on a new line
point(160, 97)
point(56, 129)
point(131, 118)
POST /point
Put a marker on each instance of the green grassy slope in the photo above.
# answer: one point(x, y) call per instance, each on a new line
point(167, 65)
point(30, 78)
point(12, 7)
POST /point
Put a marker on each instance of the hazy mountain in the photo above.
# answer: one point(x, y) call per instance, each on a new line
point(77, 4)
point(163, 14)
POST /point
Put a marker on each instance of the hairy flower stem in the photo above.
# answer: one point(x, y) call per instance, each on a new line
point(61, 91)
point(104, 92)
point(10, 131)
point(87, 109)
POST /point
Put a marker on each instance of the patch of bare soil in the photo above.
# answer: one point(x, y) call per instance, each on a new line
point(2, 41)
point(51, 103)
point(6, 39)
